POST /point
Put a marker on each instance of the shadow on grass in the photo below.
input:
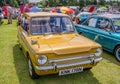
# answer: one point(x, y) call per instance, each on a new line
point(6, 21)
point(85, 77)
point(110, 57)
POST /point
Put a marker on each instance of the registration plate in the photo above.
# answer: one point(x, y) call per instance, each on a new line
point(70, 71)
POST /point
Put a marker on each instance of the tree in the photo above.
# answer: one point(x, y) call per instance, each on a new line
point(82, 3)
point(95, 2)
point(102, 2)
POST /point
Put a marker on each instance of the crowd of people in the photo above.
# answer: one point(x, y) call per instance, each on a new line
point(34, 8)
point(22, 9)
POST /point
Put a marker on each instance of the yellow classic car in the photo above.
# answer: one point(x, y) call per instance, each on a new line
point(52, 45)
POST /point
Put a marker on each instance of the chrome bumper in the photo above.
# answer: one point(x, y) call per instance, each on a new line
point(54, 66)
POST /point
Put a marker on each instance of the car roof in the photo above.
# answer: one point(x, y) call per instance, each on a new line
point(110, 15)
point(34, 14)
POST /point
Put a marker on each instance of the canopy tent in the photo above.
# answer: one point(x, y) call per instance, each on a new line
point(64, 10)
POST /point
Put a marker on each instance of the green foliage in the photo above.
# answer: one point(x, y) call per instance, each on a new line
point(52, 3)
point(14, 3)
point(102, 2)
point(1, 3)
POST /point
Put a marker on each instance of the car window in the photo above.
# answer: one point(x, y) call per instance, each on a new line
point(51, 24)
point(91, 22)
point(116, 24)
point(104, 24)
point(24, 23)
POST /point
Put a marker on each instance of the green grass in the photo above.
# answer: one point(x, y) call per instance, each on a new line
point(13, 65)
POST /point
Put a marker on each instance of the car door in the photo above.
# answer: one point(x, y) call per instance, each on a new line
point(104, 34)
point(24, 32)
point(88, 28)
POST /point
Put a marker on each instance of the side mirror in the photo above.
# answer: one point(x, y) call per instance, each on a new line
point(33, 42)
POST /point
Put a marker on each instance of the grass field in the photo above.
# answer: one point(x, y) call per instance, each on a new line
point(13, 65)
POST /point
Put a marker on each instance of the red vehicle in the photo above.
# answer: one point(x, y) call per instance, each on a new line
point(5, 12)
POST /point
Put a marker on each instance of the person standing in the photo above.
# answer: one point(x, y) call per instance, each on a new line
point(26, 8)
point(9, 14)
point(34, 8)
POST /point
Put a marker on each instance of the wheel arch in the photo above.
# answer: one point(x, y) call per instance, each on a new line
point(116, 47)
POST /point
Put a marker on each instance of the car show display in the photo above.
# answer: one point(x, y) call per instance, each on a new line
point(52, 45)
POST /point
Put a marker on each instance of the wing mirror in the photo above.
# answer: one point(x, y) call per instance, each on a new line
point(33, 42)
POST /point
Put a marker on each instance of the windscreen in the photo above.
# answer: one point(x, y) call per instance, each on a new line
point(51, 25)
point(116, 23)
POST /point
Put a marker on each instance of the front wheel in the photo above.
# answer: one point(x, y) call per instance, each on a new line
point(117, 53)
point(32, 73)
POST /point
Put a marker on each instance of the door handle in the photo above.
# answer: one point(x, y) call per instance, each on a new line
point(96, 37)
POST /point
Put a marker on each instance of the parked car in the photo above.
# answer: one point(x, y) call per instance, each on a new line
point(101, 11)
point(104, 29)
point(76, 11)
point(52, 45)
point(1, 16)
point(5, 12)
point(114, 12)
point(82, 16)
point(90, 8)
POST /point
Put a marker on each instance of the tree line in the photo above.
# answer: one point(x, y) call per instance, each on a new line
point(83, 2)
point(14, 3)
point(52, 3)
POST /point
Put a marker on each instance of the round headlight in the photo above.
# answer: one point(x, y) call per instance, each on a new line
point(42, 59)
point(98, 52)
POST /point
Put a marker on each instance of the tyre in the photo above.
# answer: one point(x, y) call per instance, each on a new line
point(88, 69)
point(32, 73)
point(117, 53)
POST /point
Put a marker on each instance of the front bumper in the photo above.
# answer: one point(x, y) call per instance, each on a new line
point(58, 66)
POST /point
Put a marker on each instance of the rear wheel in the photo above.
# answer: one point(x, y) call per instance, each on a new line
point(117, 53)
point(32, 73)
point(88, 69)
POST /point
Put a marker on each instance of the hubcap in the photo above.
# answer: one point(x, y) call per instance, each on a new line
point(30, 67)
point(118, 54)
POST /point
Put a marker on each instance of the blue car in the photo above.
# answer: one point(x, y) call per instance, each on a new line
point(104, 29)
